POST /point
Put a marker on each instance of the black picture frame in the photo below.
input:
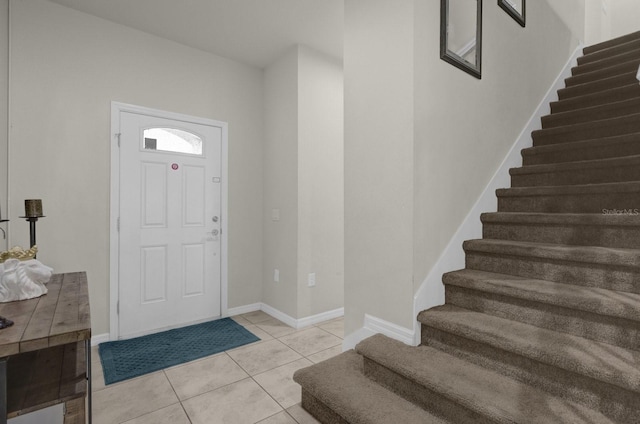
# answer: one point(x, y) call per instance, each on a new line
point(454, 58)
point(519, 17)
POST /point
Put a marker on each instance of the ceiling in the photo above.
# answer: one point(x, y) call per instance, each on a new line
point(254, 32)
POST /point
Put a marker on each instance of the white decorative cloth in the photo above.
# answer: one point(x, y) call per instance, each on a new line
point(20, 280)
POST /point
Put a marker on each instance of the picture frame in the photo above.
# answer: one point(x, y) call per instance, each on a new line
point(517, 9)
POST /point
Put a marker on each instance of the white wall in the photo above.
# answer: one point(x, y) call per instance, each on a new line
point(280, 184)
point(461, 140)
point(593, 22)
point(625, 17)
point(606, 19)
point(423, 138)
point(378, 156)
point(304, 180)
point(4, 55)
point(66, 69)
point(572, 13)
point(320, 182)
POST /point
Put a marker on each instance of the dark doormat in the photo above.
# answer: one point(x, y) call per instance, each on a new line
point(124, 359)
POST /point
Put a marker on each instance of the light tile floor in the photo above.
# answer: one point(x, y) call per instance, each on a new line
point(250, 384)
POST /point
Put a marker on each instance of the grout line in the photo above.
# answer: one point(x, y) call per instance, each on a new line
point(150, 412)
point(186, 414)
point(271, 396)
point(171, 384)
point(291, 416)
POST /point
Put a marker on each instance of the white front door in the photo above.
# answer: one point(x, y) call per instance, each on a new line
point(170, 216)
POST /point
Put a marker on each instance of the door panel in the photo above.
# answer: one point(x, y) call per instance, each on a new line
point(194, 270)
point(170, 240)
point(154, 195)
point(193, 187)
point(153, 274)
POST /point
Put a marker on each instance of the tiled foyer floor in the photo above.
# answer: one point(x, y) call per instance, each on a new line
point(250, 384)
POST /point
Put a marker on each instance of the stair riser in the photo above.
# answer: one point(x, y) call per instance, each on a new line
point(609, 53)
point(597, 86)
point(607, 149)
point(611, 43)
point(588, 131)
point(603, 73)
point(616, 331)
point(606, 63)
point(631, 91)
point(319, 410)
point(425, 398)
point(620, 405)
point(570, 234)
point(579, 176)
point(588, 115)
point(570, 203)
point(588, 275)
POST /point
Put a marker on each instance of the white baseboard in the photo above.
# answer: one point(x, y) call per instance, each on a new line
point(374, 325)
point(279, 315)
point(301, 322)
point(350, 341)
point(431, 291)
point(318, 318)
point(290, 321)
point(100, 338)
point(243, 309)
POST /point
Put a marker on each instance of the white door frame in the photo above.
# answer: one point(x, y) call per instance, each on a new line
point(114, 236)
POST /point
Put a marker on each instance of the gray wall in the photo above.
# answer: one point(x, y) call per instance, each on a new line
point(304, 180)
point(4, 81)
point(422, 138)
point(67, 67)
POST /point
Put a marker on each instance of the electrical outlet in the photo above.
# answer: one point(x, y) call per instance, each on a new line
point(276, 275)
point(312, 279)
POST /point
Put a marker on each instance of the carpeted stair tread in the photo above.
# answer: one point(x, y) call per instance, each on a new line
point(629, 258)
point(613, 364)
point(576, 173)
point(614, 229)
point(588, 130)
point(629, 91)
point(597, 86)
point(600, 148)
point(586, 164)
point(610, 71)
point(606, 62)
point(593, 113)
point(578, 198)
point(559, 263)
point(609, 52)
point(622, 187)
point(583, 219)
point(488, 394)
point(611, 43)
point(339, 383)
point(589, 299)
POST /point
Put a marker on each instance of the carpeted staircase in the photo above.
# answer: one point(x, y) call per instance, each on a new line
point(543, 324)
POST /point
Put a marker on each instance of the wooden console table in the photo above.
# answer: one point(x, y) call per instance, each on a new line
point(45, 357)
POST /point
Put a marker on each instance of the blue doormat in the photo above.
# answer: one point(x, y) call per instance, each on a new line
point(124, 359)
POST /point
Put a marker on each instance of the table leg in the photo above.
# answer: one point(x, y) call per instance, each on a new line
point(87, 348)
point(3, 390)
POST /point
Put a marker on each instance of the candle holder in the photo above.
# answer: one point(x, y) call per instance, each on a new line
point(33, 211)
point(4, 234)
point(4, 322)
